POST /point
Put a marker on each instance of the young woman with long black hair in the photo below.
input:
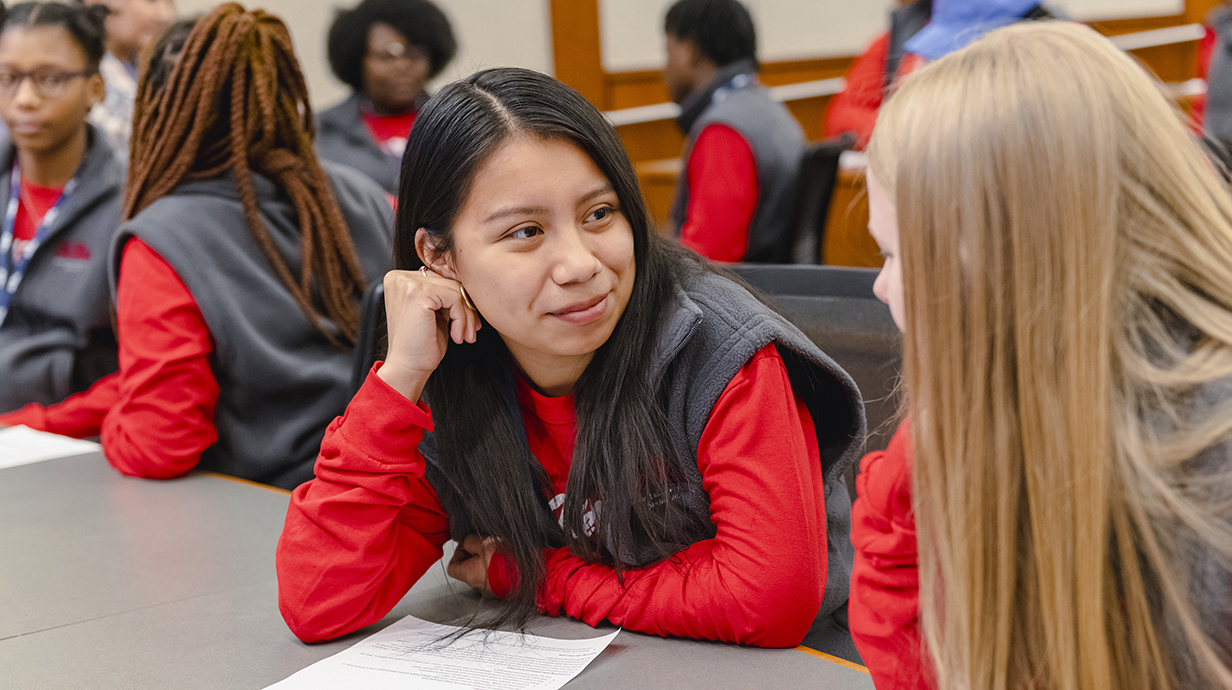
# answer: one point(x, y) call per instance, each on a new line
point(615, 432)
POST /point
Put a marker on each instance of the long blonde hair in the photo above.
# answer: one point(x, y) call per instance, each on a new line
point(1068, 302)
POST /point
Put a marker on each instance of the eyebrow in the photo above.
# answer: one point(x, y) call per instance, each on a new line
point(542, 210)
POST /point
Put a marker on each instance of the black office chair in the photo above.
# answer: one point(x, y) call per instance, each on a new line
point(818, 176)
point(371, 343)
point(835, 307)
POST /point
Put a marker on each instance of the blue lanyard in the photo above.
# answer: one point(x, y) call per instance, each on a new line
point(13, 267)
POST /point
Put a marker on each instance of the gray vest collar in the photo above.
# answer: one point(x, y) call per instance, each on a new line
point(727, 77)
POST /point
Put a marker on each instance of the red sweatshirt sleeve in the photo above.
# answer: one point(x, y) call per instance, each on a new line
point(79, 416)
point(163, 418)
point(156, 415)
point(885, 601)
point(722, 176)
point(367, 528)
point(854, 109)
point(760, 580)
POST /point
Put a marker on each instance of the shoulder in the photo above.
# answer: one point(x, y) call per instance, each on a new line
point(340, 115)
point(884, 482)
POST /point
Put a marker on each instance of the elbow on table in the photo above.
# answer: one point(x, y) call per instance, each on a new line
point(780, 617)
point(147, 468)
point(313, 624)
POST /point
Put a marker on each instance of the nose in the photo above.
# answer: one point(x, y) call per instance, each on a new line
point(574, 260)
point(880, 288)
point(26, 96)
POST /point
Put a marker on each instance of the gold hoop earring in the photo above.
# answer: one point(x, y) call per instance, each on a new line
point(466, 299)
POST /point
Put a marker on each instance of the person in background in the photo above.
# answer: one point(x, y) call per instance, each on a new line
point(854, 109)
point(131, 26)
point(920, 30)
point(616, 432)
point(386, 51)
point(1055, 512)
point(63, 188)
point(238, 269)
point(742, 150)
point(1212, 111)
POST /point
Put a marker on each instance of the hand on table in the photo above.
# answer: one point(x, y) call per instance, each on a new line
point(470, 563)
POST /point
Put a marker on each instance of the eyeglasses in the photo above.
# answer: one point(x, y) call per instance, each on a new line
point(396, 51)
point(48, 81)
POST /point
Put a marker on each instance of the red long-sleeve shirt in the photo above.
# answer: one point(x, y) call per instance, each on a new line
point(156, 415)
point(360, 534)
point(722, 179)
point(883, 611)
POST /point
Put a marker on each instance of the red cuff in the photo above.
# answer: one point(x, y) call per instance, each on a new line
point(393, 426)
point(501, 576)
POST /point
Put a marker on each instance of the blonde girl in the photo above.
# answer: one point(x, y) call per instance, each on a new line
point(1066, 300)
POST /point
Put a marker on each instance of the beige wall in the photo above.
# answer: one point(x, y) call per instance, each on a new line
point(490, 33)
point(517, 32)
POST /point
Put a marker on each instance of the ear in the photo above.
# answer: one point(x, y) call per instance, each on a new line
point(438, 262)
point(97, 88)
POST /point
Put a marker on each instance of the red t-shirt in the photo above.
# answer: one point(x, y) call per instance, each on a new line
point(390, 131)
point(156, 415)
point(722, 179)
point(33, 203)
point(361, 533)
point(884, 608)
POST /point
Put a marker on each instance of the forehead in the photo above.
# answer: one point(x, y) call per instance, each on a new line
point(381, 34)
point(32, 46)
point(528, 171)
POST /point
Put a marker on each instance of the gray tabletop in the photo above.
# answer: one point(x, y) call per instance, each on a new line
point(113, 582)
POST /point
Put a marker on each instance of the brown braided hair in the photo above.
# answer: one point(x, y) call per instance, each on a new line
point(224, 94)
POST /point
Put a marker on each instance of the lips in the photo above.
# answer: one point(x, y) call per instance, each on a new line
point(26, 127)
point(584, 312)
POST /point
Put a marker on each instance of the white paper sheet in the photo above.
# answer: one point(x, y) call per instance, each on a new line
point(21, 445)
point(412, 654)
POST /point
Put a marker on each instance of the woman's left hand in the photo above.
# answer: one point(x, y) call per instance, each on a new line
point(470, 563)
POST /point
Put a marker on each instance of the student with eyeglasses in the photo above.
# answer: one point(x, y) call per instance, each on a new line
point(387, 51)
point(63, 188)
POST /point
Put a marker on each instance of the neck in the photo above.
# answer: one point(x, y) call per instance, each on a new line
point(552, 375)
point(124, 53)
point(54, 167)
point(383, 109)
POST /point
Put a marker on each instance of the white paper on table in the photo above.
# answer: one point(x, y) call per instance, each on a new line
point(21, 445)
point(412, 654)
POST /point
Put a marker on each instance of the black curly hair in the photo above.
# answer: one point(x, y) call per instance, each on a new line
point(421, 22)
point(84, 24)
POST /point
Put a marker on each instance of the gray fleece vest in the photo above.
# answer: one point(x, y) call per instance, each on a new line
point(713, 328)
point(1218, 118)
point(342, 137)
point(280, 380)
point(57, 338)
point(773, 135)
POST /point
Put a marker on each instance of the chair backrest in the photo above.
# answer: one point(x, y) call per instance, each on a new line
point(370, 345)
point(815, 188)
point(835, 307)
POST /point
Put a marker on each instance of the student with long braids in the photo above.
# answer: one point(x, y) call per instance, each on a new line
point(608, 429)
point(1059, 257)
point(62, 188)
point(239, 268)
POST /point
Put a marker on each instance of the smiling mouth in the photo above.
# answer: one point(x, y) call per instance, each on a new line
point(585, 312)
